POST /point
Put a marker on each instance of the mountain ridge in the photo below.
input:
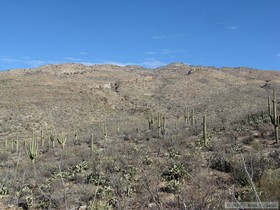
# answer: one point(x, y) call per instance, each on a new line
point(129, 67)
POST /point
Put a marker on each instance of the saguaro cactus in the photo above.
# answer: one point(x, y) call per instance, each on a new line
point(91, 144)
point(17, 143)
point(273, 115)
point(32, 151)
point(163, 125)
point(105, 131)
point(186, 115)
point(151, 121)
point(193, 118)
point(205, 137)
point(62, 140)
point(159, 123)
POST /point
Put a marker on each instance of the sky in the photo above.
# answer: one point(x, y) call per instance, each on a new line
point(150, 33)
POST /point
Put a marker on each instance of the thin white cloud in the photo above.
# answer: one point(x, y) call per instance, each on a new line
point(148, 63)
point(180, 35)
point(9, 60)
point(165, 52)
point(32, 63)
point(152, 63)
point(87, 63)
point(82, 53)
point(23, 60)
point(150, 53)
point(117, 63)
point(233, 28)
point(163, 36)
point(278, 55)
point(35, 63)
point(73, 59)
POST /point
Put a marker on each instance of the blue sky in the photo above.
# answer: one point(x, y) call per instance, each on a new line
point(150, 33)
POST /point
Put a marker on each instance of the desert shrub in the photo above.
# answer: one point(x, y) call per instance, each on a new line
point(219, 162)
point(104, 192)
point(147, 160)
point(201, 193)
point(269, 185)
point(256, 165)
point(172, 186)
point(237, 148)
point(99, 205)
point(173, 176)
point(256, 145)
point(174, 172)
point(249, 139)
point(194, 130)
point(79, 168)
point(25, 196)
point(265, 129)
point(173, 153)
point(111, 166)
point(47, 203)
point(275, 156)
point(4, 157)
point(64, 175)
point(129, 172)
point(3, 191)
point(97, 179)
point(47, 169)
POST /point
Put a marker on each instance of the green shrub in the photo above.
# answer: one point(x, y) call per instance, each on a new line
point(174, 172)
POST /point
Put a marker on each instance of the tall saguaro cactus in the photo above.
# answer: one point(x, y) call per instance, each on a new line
point(32, 150)
point(205, 138)
point(186, 115)
point(151, 121)
point(163, 125)
point(159, 123)
point(273, 115)
point(105, 131)
point(62, 140)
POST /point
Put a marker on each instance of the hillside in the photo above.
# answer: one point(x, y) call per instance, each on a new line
point(69, 95)
point(81, 101)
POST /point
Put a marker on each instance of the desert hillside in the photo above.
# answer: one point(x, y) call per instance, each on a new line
point(127, 130)
point(73, 95)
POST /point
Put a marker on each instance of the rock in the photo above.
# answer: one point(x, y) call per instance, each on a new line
point(83, 207)
point(152, 205)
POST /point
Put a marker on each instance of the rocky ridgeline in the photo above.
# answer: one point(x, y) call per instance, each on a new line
point(74, 68)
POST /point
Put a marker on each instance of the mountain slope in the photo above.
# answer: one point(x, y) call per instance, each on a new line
point(67, 95)
point(111, 137)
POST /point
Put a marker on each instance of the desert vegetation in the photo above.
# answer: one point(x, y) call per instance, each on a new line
point(152, 139)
